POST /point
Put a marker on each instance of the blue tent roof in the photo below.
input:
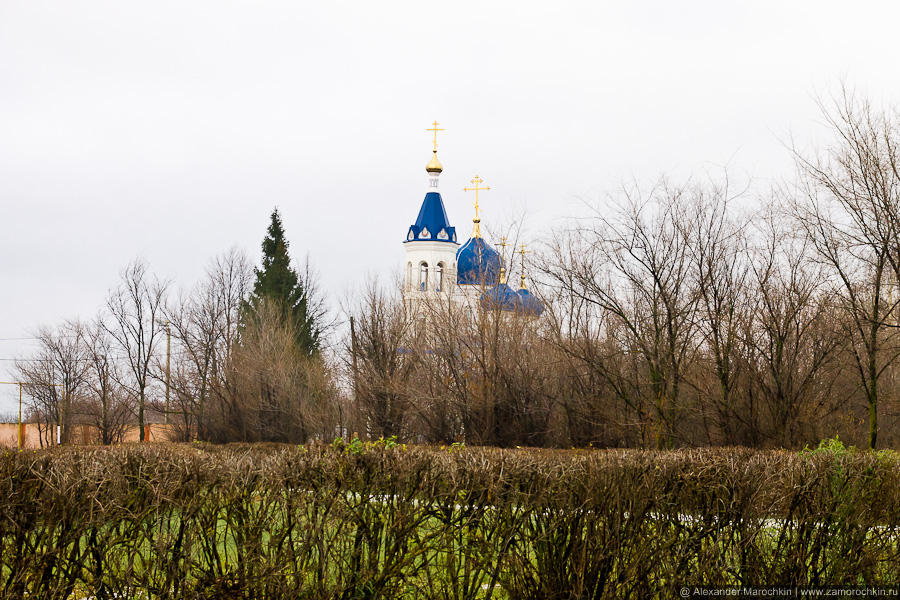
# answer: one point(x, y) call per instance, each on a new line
point(477, 263)
point(432, 223)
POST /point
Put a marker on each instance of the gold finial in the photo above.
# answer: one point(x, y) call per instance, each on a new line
point(476, 232)
point(435, 165)
point(502, 274)
point(435, 129)
point(523, 252)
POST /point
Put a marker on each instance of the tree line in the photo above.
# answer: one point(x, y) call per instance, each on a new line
point(236, 358)
point(677, 313)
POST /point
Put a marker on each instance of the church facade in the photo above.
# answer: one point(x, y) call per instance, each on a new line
point(469, 276)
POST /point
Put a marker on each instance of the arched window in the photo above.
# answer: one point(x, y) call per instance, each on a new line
point(423, 276)
point(439, 277)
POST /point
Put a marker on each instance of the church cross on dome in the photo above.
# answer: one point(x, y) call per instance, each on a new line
point(523, 252)
point(476, 232)
point(435, 129)
point(503, 244)
point(434, 167)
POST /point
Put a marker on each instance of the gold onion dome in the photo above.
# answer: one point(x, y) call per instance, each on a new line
point(435, 165)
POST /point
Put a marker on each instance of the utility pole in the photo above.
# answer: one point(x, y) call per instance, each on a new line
point(20, 434)
point(353, 353)
point(168, 368)
point(21, 428)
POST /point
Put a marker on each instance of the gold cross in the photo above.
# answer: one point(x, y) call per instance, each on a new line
point(523, 252)
point(476, 232)
point(435, 129)
point(476, 189)
point(503, 245)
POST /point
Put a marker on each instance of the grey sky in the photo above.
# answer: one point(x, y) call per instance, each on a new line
point(169, 130)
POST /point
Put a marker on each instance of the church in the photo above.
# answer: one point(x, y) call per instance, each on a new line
point(471, 276)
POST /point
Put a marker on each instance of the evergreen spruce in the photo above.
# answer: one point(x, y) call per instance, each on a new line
point(278, 281)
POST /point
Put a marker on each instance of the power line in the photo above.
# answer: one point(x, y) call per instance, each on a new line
point(36, 339)
point(177, 352)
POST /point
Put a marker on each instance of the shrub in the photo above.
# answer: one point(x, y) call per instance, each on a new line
point(379, 521)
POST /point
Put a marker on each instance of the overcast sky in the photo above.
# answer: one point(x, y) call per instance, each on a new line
point(170, 130)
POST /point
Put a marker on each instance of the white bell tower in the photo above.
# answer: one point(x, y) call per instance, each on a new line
point(430, 265)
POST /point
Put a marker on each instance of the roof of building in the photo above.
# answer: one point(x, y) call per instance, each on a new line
point(434, 166)
point(529, 304)
point(432, 223)
point(477, 263)
point(502, 297)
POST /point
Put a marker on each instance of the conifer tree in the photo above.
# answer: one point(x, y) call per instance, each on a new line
point(278, 281)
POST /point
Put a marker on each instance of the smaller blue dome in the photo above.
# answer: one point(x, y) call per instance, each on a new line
point(529, 304)
point(477, 263)
point(500, 296)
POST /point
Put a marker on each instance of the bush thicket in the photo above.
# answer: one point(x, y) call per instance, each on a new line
point(385, 521)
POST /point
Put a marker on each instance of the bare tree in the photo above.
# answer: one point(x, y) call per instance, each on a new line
point(633, 263)
point(597, 393)
point(107, 406)
point(136, 311)
point(205, 324)
point(317, 308)
point(56, 373)
point(791, 342)
point(274, 391)
point(847, 200)
point(382, 358)
point(38, 373)
point(719, 251)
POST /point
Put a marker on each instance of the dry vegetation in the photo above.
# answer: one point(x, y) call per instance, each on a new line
point(678, 314)
point(384, 521)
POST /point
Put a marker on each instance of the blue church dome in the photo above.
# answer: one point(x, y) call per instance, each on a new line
point(529, 304)
point(500, 296)
point(432, 223)
point(477, 263)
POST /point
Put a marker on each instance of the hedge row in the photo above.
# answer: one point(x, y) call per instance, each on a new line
point(379, 522)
